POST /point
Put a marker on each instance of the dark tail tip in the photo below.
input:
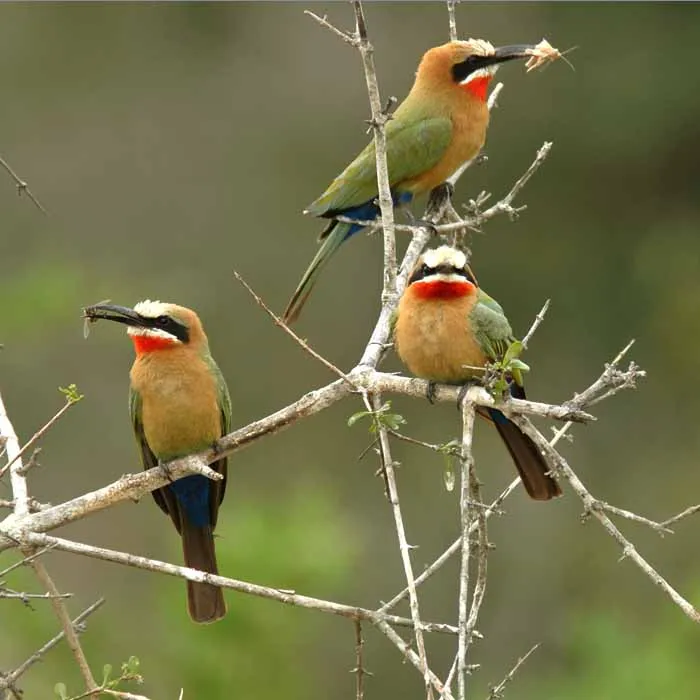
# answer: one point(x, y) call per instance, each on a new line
point(529, 461)
point(332, 239)
point(205, 603)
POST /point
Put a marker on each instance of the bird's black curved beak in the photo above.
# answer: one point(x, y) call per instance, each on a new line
point(112, 312)
point(508, 53)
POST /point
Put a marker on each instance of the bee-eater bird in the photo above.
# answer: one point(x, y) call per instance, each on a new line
point(179, 405)
point(432, 136)
point(446, 328)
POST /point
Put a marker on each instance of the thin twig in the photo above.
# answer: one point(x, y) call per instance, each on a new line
point(9, 594)
point(413, 658)
point(479, 551)
point(614, 510)
point(37, 436)
point(455, 546)
point(452, 20)
point(451, 673)
point(25, 560)
point(21, 185)
point(535, 324)
point(373, 405)
point(279, 322)
point(64, 619)
point(465, 510)
point(359, 669)
point(378, 123)
point(37, 655)
point(12, 450)
point(628, 549)
point(688, 511)
point(282, 596)
point(497, 691)
point(345, 36)
point(492, 102)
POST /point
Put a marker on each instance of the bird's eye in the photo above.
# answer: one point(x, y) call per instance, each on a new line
point(162, 320)
point(426, 270)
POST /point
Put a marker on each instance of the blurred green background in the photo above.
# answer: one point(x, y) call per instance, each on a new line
point(174, 143)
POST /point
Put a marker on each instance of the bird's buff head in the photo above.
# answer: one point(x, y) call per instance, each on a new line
point(469, 65)
point(441, 273)
point(152, 325)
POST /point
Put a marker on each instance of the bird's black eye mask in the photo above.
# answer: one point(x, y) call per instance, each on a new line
point(462, 70)
point(172, 326)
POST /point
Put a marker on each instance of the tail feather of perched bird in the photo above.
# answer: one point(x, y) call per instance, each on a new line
point(446, 329)
point(527, 458)
point(205, 602)
point(179, 404)
point(332, 239)
point(434, 132)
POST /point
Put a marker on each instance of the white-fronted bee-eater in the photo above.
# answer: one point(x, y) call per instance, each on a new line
point(179, 405)
point(434, 133)
point(446, 329)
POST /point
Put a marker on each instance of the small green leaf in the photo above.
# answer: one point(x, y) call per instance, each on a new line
point(106, 673)
point(380, 418)
point(71, 393)
point(448, 474)
point(392, 421)
point(357, 416)
point(513, 351)
point(61, 690)
point(132, 665)
point(516, 364)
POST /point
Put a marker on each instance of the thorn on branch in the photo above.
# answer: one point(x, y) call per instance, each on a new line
point(22, 186)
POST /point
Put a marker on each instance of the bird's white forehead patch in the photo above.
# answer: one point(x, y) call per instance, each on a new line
point(445, 255)
point(480, 47)
point(151, 309)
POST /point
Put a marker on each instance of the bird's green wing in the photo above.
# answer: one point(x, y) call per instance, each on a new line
point(491, 326)
point(148, 459)
point(413, 146)
point(221, 465)
point(393, 320)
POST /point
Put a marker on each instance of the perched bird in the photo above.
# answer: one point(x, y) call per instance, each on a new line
point(446, 328)
point(179, 405)
point(432, 136)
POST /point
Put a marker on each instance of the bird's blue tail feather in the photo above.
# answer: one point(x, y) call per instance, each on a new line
point(192, 493)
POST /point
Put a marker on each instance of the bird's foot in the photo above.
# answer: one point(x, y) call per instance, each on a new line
point(166, 470)
point(441, 195)
point(439, 201)
point(422, 223)
point(216, 448)
point(430, 391)
point(463, 391)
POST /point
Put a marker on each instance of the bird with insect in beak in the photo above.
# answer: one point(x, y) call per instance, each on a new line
point(431, 137)
point(179, 405)
point(446, 329)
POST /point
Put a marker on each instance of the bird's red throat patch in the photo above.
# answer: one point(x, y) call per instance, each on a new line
point(150, 343)
point(478, 87)
point(441, 289)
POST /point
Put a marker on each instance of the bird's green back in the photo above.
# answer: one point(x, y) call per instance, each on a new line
point(414, 145)
point(490, 326)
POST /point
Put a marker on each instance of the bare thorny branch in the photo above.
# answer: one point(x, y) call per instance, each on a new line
point(26, 527)
point(22, 186)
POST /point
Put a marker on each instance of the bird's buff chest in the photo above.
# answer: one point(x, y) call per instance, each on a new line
point(434, 338)
point(179, 403)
